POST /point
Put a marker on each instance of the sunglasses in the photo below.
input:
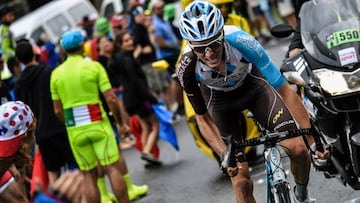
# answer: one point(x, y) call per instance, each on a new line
point(212, 45)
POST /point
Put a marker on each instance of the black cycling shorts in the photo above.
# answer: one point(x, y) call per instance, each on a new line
point(256, 95)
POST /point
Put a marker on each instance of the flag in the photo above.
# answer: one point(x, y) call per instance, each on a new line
point(167, 131)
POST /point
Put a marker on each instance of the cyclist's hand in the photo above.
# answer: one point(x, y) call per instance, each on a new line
point(323, 155)
point(233, 171)
point(229, 163)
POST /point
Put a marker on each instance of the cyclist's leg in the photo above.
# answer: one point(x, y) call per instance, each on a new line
point(279, 118)
point(226, 112)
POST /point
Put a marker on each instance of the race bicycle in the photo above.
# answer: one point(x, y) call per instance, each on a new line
point(277, 186)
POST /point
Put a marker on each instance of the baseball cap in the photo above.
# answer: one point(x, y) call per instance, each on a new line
point(15, 119)
point(169, 11)
point(117, 20)
point(102, 26)
point(71, 39)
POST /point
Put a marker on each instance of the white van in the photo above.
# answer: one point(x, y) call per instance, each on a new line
point(53, 19)
point(110, 7)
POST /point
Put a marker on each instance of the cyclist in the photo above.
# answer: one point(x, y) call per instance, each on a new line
point(223, 71)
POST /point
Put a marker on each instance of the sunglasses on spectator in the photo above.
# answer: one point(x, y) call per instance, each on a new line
point(212, 45)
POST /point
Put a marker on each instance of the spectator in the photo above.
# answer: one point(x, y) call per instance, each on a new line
point(118, 22)
point(105, 51)
point(15, 145)
point(7, 43)
point(14, 67)
point(75, 86)
point(102, 28)
point(33, 88)
point(16, 142)
point(146, 53)
point(49, 55)
point(287, 11)
point(267, 7)
point(136, 95)
point(260, 24)
point(5, 95)
point(168, 48)
point(87, 23)
point(6, 39)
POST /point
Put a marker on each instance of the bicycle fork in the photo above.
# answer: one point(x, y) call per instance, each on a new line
point(275, 173)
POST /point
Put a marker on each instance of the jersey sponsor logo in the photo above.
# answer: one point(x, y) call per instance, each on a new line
point(277, 115)
point(250, 42)
point(183, 64)
point(282, 124)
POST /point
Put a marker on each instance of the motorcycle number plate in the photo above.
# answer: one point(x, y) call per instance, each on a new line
point(342, 37)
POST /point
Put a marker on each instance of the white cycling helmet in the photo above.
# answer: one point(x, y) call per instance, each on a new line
point(200, 21)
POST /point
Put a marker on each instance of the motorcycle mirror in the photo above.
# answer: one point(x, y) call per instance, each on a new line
point(281, 30)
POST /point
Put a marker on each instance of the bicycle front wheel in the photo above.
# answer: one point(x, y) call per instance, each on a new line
point(282, 194)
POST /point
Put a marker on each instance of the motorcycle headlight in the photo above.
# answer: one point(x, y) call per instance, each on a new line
point(337, 83)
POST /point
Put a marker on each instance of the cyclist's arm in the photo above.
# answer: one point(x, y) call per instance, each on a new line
point(211, 132)
point(254, 53)
point(186, 76)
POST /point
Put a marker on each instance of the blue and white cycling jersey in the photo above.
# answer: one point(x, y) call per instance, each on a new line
point(241, 52)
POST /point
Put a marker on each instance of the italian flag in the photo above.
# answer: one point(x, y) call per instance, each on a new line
point(82, 115)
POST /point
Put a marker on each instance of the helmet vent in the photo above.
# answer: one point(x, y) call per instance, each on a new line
point(201, 28)
point(198, 12)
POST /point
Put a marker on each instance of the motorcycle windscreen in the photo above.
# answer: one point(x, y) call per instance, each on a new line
point(330, 31)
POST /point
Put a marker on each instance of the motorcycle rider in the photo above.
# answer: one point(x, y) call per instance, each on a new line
point(217, 73)
point(319, 157)
point(296, 44)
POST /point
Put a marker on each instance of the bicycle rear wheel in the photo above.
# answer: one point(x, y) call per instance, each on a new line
point(282, 194)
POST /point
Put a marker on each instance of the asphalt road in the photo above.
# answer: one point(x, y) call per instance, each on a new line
point(189, 176)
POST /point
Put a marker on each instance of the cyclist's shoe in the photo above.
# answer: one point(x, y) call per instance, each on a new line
point(308, 199)
point(137, 191)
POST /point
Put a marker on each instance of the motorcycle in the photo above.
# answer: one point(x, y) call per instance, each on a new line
point(327, 75)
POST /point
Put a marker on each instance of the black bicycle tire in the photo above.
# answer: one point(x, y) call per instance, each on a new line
point(270, 195)
point(283, 193)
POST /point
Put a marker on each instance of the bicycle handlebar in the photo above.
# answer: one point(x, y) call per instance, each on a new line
point(266, 138)
point(273, 137)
